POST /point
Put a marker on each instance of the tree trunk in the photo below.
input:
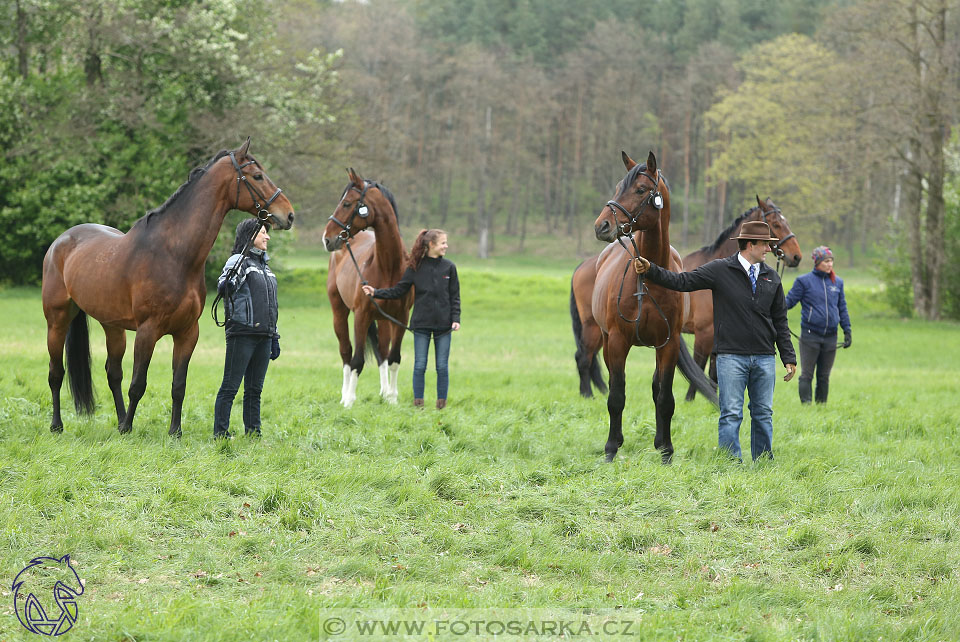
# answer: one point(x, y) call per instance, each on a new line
point(686, 178)
point(483, 234)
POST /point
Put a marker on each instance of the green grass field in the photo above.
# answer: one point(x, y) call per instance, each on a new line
point(499, 501)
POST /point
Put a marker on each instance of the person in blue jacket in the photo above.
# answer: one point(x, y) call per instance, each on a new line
point(250, 296)
point(436, 308)
point(822, 309)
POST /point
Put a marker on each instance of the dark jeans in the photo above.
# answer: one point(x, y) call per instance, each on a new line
point(816, 353)
point(247, 358)
point(421, 347)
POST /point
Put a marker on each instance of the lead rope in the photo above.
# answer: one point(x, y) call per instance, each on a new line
point(641, 290)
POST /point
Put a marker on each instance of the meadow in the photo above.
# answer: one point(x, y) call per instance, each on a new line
point(499, 501)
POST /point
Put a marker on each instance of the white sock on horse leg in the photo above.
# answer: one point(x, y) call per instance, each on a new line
point(384, 380)
point(351, 394)
point(394, 390)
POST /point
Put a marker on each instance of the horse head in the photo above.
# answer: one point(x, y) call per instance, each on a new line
point(787, 246)
point(259, 195)
point(45, 578)
point(641, 197)
point(360, 206)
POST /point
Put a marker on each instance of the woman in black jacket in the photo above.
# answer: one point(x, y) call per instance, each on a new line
point(436, 308)
point(251, 327)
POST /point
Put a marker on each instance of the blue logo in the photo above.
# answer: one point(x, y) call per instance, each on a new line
point(45, 595)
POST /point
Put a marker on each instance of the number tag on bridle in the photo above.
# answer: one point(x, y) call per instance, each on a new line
point(362, 211)
point(658, 200)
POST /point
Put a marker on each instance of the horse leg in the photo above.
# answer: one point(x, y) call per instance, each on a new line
point(663, 398)
point(341, 328)
point(58, 321)
point(184, 343)
point(361, 324)
point(615, 350)
point(384, 335)
point(143, 347)
point(116, 346)
point(393, 359)
point(592, 340)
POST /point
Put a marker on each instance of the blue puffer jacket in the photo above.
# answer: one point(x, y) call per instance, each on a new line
point(250, 297)
point(822, 305)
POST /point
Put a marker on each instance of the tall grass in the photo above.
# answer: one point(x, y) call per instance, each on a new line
point(502, 499)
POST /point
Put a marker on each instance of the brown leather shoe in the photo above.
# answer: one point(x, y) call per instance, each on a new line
point(441, 404)
point(418, 402)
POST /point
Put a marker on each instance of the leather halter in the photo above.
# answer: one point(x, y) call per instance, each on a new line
point(255, 194)
point(359, 209)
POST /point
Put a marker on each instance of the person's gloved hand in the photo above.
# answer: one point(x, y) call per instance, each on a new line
point(847, 338)
point(225, 288)
point(274, 348)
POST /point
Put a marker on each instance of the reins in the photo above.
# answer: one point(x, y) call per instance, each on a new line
point(262, 216)
point(626, 229)
point(360, 209)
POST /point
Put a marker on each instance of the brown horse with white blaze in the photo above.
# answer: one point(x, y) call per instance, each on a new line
point(628, 312)
point(149, 280)
point(700, 321)
point(363, 236)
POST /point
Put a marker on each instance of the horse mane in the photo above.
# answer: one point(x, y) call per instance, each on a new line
point(192, 178)
point(725, 234)
point(632, 176)
point(383, 190)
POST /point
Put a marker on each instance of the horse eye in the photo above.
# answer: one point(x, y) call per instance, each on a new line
point(258, 177)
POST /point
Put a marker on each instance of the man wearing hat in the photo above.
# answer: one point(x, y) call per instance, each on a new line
point(749, 319)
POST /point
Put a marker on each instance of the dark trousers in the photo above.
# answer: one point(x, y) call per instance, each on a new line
point(816, 354)
point(247, 358)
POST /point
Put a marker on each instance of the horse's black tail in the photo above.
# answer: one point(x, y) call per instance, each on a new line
point(588, 371)
point(78, 364)
point(373, 343)
point(694, 374)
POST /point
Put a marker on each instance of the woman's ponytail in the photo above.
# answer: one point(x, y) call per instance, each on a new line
point(421, 245)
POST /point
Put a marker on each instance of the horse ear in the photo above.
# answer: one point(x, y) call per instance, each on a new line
point(628, 162)
point(243, 148)
point(355, 177)
point(651, 163)
point(759, 202)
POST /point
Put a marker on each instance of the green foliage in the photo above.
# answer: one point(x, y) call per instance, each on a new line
point(106, 124)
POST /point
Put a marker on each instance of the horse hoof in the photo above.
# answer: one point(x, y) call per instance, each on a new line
point(124, 429)
point(55, 429)
point(175, 433)
point(666, 458)
point(609, 458)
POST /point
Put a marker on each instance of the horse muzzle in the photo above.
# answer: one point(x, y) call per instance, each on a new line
point(284, 223)
point(332, 244)
point(605, 231)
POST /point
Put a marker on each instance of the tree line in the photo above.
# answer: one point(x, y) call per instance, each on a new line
point(501, 120)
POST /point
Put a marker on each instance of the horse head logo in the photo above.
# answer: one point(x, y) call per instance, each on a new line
point(43, 578)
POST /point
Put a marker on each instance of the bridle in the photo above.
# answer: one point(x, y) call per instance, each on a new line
point(776, 247)
point(654, 199)
point(359, 209)
point(255, 194)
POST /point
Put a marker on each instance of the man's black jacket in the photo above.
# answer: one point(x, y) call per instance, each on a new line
point(436, 303)
point(744, 322)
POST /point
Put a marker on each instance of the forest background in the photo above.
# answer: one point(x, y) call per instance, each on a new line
point(501, 121)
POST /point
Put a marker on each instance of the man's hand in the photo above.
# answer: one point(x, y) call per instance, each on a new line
point(791, 370)
point(847, 338)
point(641, 265)
point(367, 289)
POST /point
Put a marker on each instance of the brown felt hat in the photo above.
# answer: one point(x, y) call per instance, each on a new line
point(755, 231)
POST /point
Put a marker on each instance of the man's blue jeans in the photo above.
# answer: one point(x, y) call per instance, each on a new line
point(756, 374)
point(421, 347)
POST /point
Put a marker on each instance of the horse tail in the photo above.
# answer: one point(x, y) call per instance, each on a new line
point(588, 371)
point(78, 364)
point(373, 343)
point(694, 374)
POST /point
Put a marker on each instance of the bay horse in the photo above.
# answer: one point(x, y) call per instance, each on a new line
point(700, 321)
point(363, 236)
point(630, 313)
point(149, 280)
